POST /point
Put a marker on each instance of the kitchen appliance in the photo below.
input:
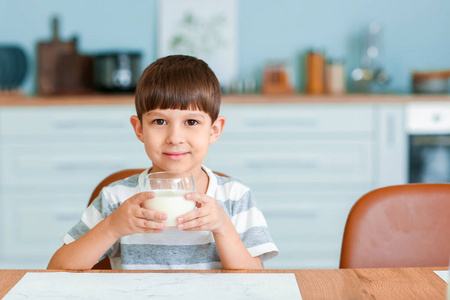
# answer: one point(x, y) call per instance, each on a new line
point(117, 71)
point(13, 67)
point(428, 130)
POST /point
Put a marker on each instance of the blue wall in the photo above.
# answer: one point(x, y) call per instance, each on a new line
point(416, 34)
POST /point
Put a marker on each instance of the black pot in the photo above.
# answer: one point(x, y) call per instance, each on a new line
point(117, 71)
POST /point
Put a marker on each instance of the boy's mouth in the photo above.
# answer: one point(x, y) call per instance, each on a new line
point(175, 155)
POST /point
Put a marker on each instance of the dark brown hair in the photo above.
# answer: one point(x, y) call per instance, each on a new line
point(178, 82)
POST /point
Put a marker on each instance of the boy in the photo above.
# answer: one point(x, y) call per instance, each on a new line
point(177, 104)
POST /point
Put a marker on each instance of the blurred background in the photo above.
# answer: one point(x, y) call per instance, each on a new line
point(326, 151)
point(411, 36)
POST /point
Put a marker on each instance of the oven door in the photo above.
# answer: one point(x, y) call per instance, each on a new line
point(429, 158)
point(428, 128)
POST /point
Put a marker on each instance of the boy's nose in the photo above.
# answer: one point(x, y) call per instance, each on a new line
point(175, 135)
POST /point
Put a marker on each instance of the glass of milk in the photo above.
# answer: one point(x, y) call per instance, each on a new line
point(170, 189)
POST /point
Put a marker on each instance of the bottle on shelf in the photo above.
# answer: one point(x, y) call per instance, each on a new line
point(315, 73)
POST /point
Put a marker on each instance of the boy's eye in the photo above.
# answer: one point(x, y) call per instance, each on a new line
point(159, 122)
point(191, 122)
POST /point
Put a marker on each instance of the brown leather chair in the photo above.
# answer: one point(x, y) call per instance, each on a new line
point(105, 264)
point(399, 226)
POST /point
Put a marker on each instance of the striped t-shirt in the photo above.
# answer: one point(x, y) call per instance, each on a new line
point(173, 248)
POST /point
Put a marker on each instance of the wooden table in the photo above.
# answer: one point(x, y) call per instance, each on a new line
point(393, 283)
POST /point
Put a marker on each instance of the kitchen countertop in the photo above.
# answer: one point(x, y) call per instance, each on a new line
point(128, 99)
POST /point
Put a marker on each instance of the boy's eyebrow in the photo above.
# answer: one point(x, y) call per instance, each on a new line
point(196, 115)
point(150, 112)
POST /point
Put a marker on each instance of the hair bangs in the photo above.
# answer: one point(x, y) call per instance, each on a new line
point(191, 86)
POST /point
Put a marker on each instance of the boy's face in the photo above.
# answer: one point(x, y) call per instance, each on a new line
point(177, 140)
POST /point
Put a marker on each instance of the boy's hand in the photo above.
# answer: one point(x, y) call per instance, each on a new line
point(130, 217)
point(208, 216)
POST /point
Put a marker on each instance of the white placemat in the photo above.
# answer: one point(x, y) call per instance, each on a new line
point(186, 286)
point(443, 275)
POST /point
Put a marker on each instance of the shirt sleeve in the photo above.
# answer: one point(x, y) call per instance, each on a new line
point(252, 227)
point(99, 209)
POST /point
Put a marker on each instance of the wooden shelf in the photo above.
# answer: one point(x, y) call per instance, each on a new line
point(128, 99)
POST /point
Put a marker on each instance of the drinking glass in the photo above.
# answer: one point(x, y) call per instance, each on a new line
point(170, 189)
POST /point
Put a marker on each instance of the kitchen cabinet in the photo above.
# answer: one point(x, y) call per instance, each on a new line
point(51, 159)
point(306, 164)
point(391, 145)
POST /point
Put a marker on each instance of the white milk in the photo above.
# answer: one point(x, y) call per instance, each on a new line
point(170, 202)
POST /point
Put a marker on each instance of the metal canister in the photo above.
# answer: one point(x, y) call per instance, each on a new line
point(315, 73)
point(335, 80)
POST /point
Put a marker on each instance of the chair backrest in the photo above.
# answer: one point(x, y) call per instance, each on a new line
point(112, 178)
point(399, 226)
point(105, 263)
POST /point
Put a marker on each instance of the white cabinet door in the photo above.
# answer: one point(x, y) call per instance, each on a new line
point(67, 121)
point(306, 165)
point(392, 152)
point(51, 159)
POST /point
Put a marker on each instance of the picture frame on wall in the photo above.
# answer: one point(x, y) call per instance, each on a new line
point(205, 29)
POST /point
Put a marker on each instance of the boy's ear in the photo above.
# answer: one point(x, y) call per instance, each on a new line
point(137, 126)
point(216, 129)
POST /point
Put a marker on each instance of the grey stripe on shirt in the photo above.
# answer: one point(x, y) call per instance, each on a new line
point(236, 207)
point(255, 236)
point(141, 254)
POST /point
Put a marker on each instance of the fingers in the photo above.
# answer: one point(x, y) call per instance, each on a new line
point(141, 197)
point(151, 214)
point(210, 216)
point(207, 216)
point(151, 221)
point(141, 212)
point(198, 219)
point(196, 224)
point(200, 199)
point(144, 213)
point(193, 214)
point(197, 197)
point(150, 225)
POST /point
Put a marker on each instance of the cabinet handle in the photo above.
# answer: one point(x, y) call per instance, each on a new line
point(291, 212)
point(390, 130)
point(272, 164)
point(86, 165)
point(84, 124)
point(282, 122)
